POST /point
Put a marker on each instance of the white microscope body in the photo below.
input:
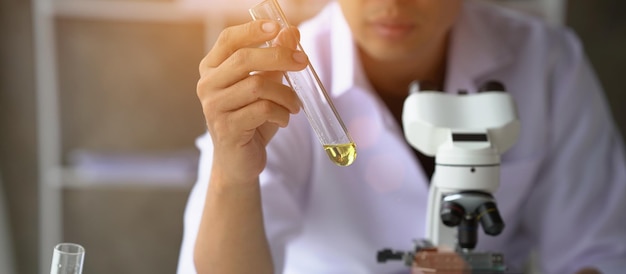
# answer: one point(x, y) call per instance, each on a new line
point(466, 133)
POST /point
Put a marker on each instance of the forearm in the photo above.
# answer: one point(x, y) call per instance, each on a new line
point(232, 238)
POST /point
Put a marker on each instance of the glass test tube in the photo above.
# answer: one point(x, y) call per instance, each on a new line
point(67, 258)
point(316, 103)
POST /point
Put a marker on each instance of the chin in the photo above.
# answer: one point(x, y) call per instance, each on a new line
point(391, 48)
point(393, 52)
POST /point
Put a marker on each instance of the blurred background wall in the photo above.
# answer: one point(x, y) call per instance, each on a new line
point(130, 86)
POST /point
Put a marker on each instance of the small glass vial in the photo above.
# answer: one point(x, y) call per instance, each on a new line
point(67, 258)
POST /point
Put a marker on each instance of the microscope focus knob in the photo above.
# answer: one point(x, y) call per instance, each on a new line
point(388, 255)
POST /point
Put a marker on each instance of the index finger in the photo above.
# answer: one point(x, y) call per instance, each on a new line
point(233, 38)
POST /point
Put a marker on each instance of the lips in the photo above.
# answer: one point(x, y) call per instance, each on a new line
point(392, 29)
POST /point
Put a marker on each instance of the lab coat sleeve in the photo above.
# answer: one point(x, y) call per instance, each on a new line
point(284, 186)
point(576, 209)
point(195, 206)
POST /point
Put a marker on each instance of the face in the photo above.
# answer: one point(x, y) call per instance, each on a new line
point(391, 30)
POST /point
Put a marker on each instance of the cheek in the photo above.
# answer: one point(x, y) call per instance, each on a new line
point(449, 12)
point(438, 15)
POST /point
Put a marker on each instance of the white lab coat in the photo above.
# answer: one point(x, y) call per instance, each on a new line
point(563, 185)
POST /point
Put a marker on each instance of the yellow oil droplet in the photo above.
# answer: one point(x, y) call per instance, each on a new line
point(342, 155)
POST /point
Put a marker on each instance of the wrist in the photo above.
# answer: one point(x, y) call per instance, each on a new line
point(221, 180)
point(229, 173)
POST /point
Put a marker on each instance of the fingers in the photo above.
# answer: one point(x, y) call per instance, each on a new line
point(236, 127)
point(260, 112)
point(237, 102)
point(233, 57)
point(288, 37)
point(249, 90)
point(251, 34)
point(244, 61)
point(233, 38)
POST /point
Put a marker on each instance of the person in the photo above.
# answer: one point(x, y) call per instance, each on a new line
point(268, 200)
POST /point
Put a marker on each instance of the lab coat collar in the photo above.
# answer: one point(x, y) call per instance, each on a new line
point(475, 50)
point(347, 71)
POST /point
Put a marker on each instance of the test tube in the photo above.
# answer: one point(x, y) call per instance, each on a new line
point(316, 103)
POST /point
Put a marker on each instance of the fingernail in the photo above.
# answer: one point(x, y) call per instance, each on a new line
point(299, 57)
point(269, 27)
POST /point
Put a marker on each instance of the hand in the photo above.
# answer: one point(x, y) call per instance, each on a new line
point(242, 109)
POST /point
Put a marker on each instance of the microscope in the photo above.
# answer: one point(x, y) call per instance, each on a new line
point(466, 133)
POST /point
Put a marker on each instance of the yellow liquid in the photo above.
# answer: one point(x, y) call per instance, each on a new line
point(342, 155)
